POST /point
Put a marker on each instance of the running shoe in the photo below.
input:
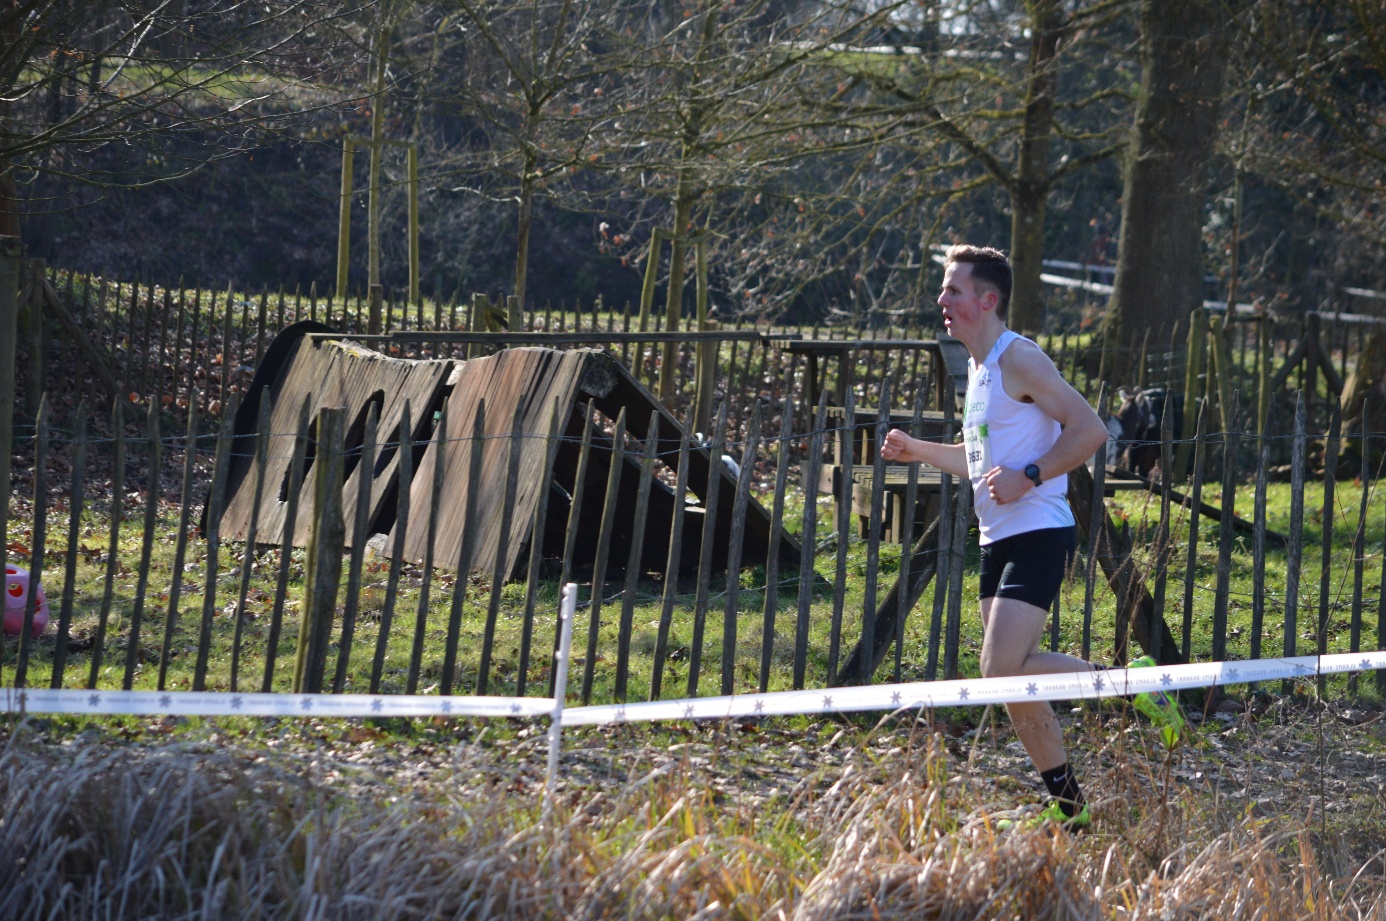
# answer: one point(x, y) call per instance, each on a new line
point(1161, 708)
point(1050, 814)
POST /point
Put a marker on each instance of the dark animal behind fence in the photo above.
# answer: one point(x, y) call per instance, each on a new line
point(1139, 416)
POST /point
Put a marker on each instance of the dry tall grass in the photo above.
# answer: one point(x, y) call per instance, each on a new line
point(197, 830)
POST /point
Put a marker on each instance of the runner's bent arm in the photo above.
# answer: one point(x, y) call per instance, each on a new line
point(949, 458)
point(1029, 375)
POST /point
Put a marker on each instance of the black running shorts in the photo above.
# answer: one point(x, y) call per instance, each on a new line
point(1028, 567)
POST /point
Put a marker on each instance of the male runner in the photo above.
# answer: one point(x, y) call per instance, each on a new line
point(1024, 429)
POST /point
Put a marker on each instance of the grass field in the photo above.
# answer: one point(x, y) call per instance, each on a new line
point(1139, 511)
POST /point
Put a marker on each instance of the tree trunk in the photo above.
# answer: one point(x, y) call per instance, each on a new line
point(673, 304)
point(525, 226)
point(1031, 189)
point(1364, 390)
point(377, 155)
point(9, 191)
point(1159, 274)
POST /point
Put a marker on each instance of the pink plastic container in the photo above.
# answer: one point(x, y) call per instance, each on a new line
point(16, 593)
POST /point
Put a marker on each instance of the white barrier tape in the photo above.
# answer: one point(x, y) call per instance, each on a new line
point(222, 703)
point(915, 695)
point(1116, 682)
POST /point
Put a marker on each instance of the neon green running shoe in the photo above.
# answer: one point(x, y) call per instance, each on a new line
point(1162, 709)
point(1050, 814)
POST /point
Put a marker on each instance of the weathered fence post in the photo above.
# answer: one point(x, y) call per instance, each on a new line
point(1359, 539)
point(610, 501)
point(11, 260)
point(153, 467)
point(1295, 549)
point(1330, 473)
point(323, 557)
point(261, 458)
point(98, 644)
point(772, 559)
point(76, 503)
point(416, 651)
point(731, 608)
point(1198, 341)
point(375, 321)
point(36, 544)
point(215, 501)
point(180, 543)
point(1195, 505)
point(1095, 529)
point(35, 366)
point(1264, 353)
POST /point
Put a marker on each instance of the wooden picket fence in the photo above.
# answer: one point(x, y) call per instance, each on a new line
point(183, 360)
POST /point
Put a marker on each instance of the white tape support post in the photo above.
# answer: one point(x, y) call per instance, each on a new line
point(1116, 682)
point(567, 611)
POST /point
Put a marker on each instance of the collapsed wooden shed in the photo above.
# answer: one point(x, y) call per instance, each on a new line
point(514, 396)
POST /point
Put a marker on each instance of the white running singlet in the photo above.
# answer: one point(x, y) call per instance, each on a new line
point(999, 431)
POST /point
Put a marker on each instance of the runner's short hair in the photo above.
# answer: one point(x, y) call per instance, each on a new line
point(989, 267)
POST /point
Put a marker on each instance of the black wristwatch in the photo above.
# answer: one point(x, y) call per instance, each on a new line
point(1032, 471)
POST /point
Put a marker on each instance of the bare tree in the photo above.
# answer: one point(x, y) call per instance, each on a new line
point(1160, 258)
point(131, 93)
point(1005, 110)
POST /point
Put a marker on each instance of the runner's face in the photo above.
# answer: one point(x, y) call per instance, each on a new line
point(962, 300)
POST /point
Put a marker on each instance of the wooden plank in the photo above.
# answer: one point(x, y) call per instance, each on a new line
point(906, 532)
point(673, 565)
point(536, 546)
point(38, 544)
point(1162, 532)
point(1196, 498)
point(153, 477)
point(1258, 546)
point(1295, 551)
point(526, 385)
point(843, 523)
point(293, 487)
point(500, 570)
point(772, 564)
point(1359, 539)
point(732, 605)
point(962, 517)
point(873, 543)
point(603, 555)
point(213, 545)
point(360, 534)
point(322, 570)
point(346, 375)
point(465, 551)
point(76, 505)
point(1330, 476)
point(247, 558)
point(634, 562)
point(436, 484)
point(574, 522)
point(707, 551)
point(1229, 497)
point(98, 646)
point(1095, 528)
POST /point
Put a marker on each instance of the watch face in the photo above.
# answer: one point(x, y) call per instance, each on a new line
point(1033, 472)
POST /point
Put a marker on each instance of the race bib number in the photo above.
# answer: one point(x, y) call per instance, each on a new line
point(976, 439)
